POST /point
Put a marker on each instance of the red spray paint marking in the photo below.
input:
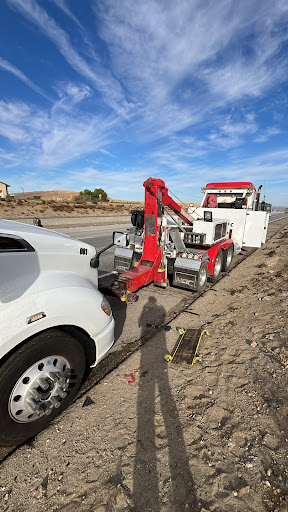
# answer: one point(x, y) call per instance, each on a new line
point(131, 376)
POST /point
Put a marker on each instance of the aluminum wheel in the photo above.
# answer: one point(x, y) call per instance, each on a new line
point(202, 276)
point(37, 382)
point(218, 264)
point(40, 389)
point(228, 255)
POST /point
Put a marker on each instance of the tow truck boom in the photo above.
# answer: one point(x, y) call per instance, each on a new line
point(166, 200)
point(198, 248)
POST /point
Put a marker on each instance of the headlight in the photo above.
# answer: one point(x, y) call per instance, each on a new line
point(105, 306)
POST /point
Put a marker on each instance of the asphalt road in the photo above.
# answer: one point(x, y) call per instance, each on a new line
point(101, 236)
point(277, 216)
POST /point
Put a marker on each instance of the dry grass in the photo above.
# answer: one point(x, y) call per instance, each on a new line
point(20, 208)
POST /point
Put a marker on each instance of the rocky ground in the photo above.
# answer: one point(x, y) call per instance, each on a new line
point(15, 209)
point(160, 437)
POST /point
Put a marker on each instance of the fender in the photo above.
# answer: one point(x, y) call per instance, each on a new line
point(213, 251)
point(60, 304)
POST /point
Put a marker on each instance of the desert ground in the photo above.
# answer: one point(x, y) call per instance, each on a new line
point(42, 208)
point(162, 437)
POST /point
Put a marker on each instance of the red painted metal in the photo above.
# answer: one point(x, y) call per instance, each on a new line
point(156, 186)
point(211, 201)
point(139, 276)
point(151, 267)
point(213, 251)
point(231, 184)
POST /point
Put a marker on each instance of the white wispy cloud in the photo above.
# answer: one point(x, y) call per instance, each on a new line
point(7, 66)
point(99, 76)
point(185, 180)
point(266, 134)
point(166, 73)
point(70, 94)
point(9, 159)
point(184, 60)
point(187, 75)
point(269, 166)
point(52, 137)
point(61, 4)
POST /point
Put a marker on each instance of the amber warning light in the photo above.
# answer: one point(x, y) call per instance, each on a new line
point(36, 317)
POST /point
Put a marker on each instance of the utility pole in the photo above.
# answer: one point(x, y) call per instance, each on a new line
point(23, 192)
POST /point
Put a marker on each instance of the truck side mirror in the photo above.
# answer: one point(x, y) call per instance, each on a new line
point(120, 239)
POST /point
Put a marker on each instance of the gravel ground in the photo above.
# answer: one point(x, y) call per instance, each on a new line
point(173, 438)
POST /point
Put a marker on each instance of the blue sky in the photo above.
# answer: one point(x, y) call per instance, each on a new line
point(107, 93)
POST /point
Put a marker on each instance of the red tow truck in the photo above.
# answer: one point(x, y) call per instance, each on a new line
point(186, 247)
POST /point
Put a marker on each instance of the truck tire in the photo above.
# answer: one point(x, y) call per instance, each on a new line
point(218, 265)
point(227, 260)
point(37, 383)
point(202, 277)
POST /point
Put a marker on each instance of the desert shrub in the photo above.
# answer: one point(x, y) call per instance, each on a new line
point(62, 207)
point(79, 199)
point(37, 197)
point(271, 253)
point(235, 291)
point(91, 196)
point(58, 207)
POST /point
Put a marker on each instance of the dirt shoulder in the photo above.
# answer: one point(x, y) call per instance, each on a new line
point(160, 437)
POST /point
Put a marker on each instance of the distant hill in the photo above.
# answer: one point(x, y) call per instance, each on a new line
point(61, 194)
point(48, 194)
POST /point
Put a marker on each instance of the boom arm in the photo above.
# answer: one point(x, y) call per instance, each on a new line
point(165, 199)
point(149, 267)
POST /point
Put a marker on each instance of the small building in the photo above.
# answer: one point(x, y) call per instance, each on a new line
point(4, 189)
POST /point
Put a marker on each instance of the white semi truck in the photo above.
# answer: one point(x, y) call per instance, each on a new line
point(54, 324)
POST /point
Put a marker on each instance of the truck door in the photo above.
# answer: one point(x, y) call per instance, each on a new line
point(255, 230)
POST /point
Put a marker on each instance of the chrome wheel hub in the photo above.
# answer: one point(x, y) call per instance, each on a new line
point(202, 276)
point(40, 389)
point(228, 257)
point(217, 266)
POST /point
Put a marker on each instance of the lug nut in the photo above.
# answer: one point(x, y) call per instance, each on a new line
point(62, 393)
point(35, 394)
point(53, 377)
point(61, 381)
point(54, 402)
point(33, 404)
point(43, 384)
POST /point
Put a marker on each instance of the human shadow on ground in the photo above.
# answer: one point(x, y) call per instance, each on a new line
point(153, 380)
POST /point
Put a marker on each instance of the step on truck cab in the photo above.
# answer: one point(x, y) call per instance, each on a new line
point(54, 323)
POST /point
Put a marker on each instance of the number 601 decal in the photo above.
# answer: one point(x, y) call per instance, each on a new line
point(83, 250)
